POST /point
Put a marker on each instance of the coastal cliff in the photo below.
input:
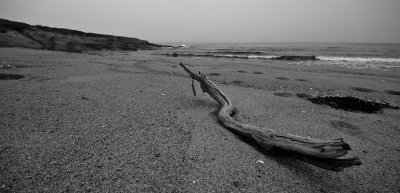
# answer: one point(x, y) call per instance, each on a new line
point(17, 34)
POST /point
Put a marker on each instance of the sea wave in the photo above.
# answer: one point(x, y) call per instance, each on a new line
point(227, 52)
point(324, 58)
point(257, 55)
point(244, 56)
point(359, 59)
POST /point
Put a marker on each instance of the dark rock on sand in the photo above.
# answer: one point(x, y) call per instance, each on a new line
point(172, 55)
point(295, 58)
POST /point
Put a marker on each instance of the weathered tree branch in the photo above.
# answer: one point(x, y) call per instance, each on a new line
point(321, 153)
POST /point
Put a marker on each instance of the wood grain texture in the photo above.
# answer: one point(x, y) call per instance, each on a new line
point(321, 153)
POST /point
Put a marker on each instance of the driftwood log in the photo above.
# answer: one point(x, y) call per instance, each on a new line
point(321, 153)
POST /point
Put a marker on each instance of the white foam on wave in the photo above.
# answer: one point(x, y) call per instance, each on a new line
point(260, 57)
point(359, 59)
point(231, 56)
point(244, 56)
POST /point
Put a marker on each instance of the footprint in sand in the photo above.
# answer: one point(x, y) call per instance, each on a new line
point(302, 80)
point(214, 74)
point(237, 81)
point(25, 66)
point(4, 76)
point(282, 78)
point(346, 127)
point(392, 92)
point(303, 95)
point(362, 89)
point(283, 94)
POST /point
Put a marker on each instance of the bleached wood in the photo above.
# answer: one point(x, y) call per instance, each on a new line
point(321, 153)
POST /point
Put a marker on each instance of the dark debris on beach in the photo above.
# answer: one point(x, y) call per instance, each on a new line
point(352, 104)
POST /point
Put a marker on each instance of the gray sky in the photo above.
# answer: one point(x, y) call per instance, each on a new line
point(218, 20)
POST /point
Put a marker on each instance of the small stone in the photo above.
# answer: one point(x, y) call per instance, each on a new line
point(236, 184)
point(260, 161)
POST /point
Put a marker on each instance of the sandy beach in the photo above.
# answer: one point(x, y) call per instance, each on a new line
point(128, 122)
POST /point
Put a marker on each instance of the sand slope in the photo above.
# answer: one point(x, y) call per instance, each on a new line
point(128, 122)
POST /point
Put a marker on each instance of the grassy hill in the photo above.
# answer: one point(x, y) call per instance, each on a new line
point(17, 34)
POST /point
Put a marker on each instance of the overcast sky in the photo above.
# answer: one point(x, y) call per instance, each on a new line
point(218, 20)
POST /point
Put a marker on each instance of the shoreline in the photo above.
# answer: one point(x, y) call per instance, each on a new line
point(128, 121)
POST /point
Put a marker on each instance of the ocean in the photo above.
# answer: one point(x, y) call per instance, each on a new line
point(376, 56)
